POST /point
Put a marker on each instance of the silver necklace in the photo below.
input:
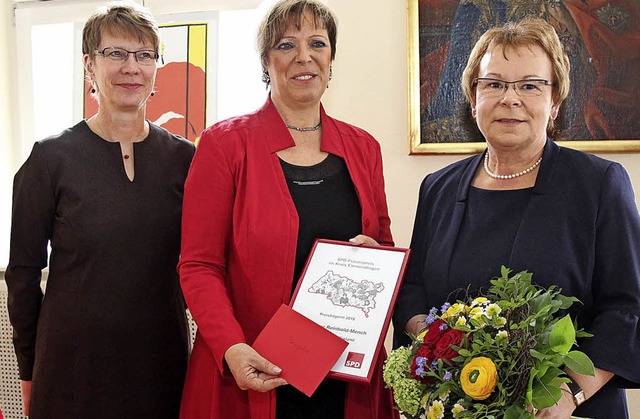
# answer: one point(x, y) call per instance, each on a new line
point(305, 129)
point(514, 175)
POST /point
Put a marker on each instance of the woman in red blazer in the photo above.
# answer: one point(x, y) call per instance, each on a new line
point(261, 189)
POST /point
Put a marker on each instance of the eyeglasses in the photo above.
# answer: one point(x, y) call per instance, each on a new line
point(489, 87)
point(143, 57)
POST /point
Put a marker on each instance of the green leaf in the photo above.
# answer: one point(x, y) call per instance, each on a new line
point(583, 334)
point(464, 352)
point(566, 301)
point(551, 373)
point(563, 335)
point(517, 412)
point(536, 354)
point(580, 363)
point(545, 396)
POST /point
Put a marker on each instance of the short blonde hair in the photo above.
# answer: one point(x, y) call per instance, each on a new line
point(287, 13)
point(526, 33)
point(126, 18)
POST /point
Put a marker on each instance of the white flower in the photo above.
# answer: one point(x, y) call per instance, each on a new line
point(493, 310)
point(502, 336)
point(457, 409)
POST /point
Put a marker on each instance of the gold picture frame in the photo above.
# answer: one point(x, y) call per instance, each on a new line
point(417, 102)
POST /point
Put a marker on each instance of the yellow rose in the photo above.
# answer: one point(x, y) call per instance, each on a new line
point(479, 377)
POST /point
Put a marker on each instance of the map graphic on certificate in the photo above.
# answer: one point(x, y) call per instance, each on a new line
point(350, 290)
point(345, 292)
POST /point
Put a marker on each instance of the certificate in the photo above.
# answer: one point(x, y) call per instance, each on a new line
point(351, 291)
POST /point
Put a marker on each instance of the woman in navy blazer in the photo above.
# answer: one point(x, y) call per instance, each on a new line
point(568, 217)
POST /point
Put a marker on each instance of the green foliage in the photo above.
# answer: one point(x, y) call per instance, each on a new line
point(517, 325)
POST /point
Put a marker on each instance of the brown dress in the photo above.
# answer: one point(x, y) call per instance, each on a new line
point(109, 339)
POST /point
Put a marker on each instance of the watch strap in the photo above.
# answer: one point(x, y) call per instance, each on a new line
point(577, 392)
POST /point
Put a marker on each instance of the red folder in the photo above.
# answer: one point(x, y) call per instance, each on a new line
point(304, 350)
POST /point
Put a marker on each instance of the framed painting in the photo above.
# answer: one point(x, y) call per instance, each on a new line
point(601, 113)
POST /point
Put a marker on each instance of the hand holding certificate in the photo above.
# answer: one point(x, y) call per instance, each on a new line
point(339, 314)
point(350, 291)
point(303, 350)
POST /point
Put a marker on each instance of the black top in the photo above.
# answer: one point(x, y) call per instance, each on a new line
point(328, 208)
point(326, 202)
point(488, 231)
point(112, 339)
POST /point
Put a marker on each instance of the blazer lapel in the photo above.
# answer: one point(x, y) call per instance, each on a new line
point(451, 231)
point(521, 255)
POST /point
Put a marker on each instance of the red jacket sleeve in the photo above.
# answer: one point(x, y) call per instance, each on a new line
point(206, 231)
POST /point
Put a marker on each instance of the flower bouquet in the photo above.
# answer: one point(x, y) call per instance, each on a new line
point(499, 355)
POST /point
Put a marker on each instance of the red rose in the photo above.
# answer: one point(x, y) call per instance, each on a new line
point(434, 333)
point(424, 351)
point(443, 349)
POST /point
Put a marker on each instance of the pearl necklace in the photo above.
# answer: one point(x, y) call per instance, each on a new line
point(305, 129)
point(514, 175)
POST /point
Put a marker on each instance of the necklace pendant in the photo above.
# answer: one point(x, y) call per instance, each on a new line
point(305, 129)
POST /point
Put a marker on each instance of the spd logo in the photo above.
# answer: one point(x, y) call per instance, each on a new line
point(354, 360)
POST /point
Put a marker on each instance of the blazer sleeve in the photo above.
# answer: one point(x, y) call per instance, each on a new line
point(206, 233)
point(615, 346)
point(32, 218)
point(412, 297)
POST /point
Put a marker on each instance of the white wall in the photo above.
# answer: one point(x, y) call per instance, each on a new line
point(7, 103)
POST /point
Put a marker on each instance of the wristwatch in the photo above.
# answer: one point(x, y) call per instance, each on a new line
point(577, 392)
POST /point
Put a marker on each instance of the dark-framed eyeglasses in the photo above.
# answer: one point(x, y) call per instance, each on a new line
point(490, 87)
point(143, 57)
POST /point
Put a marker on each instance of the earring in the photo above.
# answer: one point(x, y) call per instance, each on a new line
point(153, 93)
point(93, 90)
point(265, 77)
point(330, 73)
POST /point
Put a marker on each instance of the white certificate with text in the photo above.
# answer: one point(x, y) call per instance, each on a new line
point(351, 291)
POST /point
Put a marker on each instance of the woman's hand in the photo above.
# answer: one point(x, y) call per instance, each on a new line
point(25, 389)
point(561, 410)
point(251, 371)
point(416, 324)
point(362, 239)
point(589, 384)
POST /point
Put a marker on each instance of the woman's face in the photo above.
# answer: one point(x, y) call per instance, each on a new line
point(121, 85)
point(299, 65)
point(510, 121)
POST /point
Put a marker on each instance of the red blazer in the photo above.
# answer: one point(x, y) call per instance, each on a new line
point(239, 235)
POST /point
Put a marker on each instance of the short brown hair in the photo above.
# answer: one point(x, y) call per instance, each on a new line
point(528, 32)
point(287, 13)
point(126, 18)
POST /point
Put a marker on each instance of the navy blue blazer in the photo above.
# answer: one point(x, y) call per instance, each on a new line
point(580, 231)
